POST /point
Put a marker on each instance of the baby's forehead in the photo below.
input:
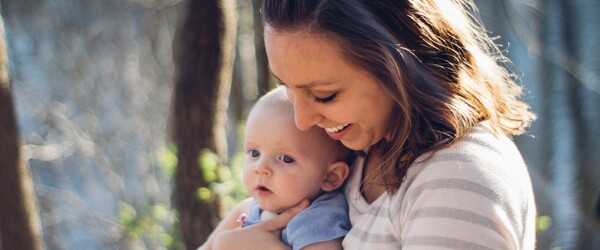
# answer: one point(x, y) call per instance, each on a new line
point(275, 106)
point(272, 114)
point(275, 97)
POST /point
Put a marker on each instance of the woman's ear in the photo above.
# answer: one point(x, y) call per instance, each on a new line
point(336, 174)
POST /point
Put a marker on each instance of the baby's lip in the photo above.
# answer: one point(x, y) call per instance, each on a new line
point(263, 188)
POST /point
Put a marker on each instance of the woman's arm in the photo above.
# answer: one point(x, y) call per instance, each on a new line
point(264, 235)
point(228, 223)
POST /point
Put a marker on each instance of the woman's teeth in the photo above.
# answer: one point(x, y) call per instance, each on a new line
point(336, 129)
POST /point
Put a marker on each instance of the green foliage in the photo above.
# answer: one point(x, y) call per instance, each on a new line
point(543, 223)
point(208, 161)
point(167, 160)
point(151, 223)
point(222, 182)
point(232, 189)
point(204, 194)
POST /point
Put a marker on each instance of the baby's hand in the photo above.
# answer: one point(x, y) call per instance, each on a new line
point(242, 219)
point(264, 235)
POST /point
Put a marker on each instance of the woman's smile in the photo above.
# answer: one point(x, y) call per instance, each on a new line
point(338, 133)
point(336, 129)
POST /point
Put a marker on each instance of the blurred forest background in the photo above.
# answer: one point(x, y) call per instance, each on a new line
point(127, 117)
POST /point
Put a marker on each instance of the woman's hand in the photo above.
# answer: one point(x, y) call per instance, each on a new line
point(264, 235)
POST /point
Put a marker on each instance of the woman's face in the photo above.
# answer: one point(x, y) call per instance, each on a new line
point(327, 90)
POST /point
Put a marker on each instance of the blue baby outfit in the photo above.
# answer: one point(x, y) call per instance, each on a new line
point(325, 219)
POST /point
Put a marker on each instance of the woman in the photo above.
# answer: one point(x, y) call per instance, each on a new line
point(421, 92)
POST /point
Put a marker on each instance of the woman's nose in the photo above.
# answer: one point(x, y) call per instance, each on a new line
point(305, 115)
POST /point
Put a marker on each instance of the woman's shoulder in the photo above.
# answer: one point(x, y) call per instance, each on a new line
point(481, 164)
point(480, 148)
point(478, 180)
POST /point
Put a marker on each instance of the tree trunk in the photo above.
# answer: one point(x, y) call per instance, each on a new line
point(19, 221)
point(203, 56)
point(265, 81)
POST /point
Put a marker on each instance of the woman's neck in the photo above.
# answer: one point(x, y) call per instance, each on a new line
point(372, 187)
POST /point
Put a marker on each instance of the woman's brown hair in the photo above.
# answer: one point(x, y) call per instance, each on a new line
point(434, 59)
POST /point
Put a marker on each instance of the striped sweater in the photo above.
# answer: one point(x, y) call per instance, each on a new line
point(475, 194)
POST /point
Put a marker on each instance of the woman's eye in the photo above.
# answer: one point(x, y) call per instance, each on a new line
point(326, 99)
point(286, 159)
point(254, 153)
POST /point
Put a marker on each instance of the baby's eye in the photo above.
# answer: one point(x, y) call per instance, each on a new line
point(254, 153)
point(286, 159)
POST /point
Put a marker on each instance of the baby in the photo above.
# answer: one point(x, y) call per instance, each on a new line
point(284, 166)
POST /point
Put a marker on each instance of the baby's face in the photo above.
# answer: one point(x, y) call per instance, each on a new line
point(283, 165)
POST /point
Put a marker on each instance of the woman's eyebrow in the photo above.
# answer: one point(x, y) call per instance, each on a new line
point(304, 85)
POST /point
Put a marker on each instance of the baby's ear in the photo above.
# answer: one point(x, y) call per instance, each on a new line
point(335, 177)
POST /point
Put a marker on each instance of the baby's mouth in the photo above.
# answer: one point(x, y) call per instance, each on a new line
point(263, 188)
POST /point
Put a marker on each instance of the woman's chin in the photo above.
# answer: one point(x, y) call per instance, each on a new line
point(354, 145)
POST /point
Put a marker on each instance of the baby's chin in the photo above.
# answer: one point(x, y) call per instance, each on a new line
point(274, 209)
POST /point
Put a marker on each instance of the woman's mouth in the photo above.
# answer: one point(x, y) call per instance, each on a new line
point(336, 129)
point(337, 133)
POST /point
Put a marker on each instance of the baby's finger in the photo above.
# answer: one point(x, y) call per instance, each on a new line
point(282, 219)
